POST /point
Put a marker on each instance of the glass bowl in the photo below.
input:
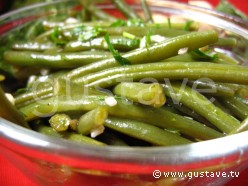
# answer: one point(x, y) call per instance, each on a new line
point(52, 161)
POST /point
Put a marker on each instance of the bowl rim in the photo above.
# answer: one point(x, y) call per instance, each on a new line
point(30, 7)
point(222, 15)
point(190, 155)
point(227, 150)
point(222, 151)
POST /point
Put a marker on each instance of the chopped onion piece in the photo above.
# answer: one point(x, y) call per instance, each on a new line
point(182, 51)
point(10, 98)
point(110, 101)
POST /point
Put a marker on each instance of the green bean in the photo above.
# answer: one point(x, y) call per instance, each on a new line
point(34, 29)
point(125, 9)
point(225, 59)
point(241, 128)
point(62, 87)
point(156, 116)
point(86, 15)
point(234, 87)
point(188, 112)
point(31, 96)
point(9, 112)
point(175, 26)
point(137, 31)
point(212, 88)
point(64, 28)
point(153, 53)
point(146, 94)
point(161, 71)
point(242, 91)
point(146, 11)
point(44, 87)
point(60, 122)
point(98, 13)
point(218, 104)
point(194, 26)
point(239, 109)
point(201, 105)
point(29, 101)
point(41, 87)
point(67, 135)
point(92, 122)
point(33, 46)
point(119, 43)
point(145, 132)
point(54, 60)
point(187, 57)
point(143, 31)
point(82, 139)
point(190, 57)
point(239, 90)
point(168, 107)
point(47, 130)
point(49, 25)
point(226, 42)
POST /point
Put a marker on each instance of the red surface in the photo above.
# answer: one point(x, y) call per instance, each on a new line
point(11, 176)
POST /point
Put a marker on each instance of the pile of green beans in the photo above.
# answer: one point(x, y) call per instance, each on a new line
point(128, 82)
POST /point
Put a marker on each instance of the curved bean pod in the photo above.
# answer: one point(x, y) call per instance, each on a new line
point(146, 132)
point(202, 105)
point(124, 109)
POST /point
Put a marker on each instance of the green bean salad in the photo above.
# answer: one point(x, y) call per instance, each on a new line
point(125, 80)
